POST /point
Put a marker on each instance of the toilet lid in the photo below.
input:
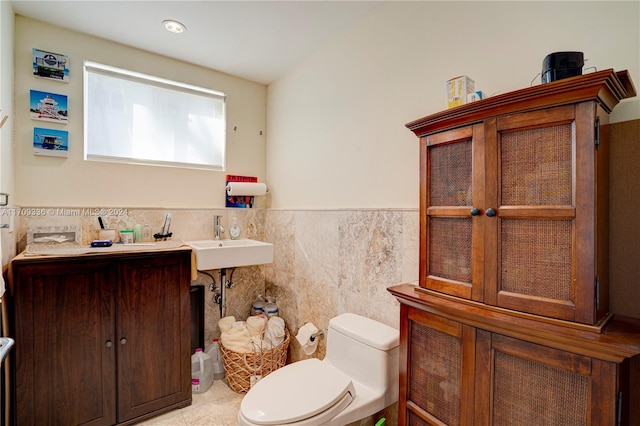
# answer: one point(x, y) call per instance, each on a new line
point(296, 392)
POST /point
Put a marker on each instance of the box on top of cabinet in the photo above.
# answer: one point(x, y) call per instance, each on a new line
point(457, 90)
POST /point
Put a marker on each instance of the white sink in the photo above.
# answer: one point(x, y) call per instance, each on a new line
point(217, 254)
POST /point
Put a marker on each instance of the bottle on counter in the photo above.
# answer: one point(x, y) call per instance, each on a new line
point(126, 236)
point(147, 233)
point(234, 229)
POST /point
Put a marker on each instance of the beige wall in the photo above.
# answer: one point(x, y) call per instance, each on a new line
point(337, 139)
point(6, 97)
point(50, 181)
point(336, 122)
point(6, 133)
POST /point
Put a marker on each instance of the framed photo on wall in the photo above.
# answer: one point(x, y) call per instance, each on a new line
point(50, 142)
point(50, 65)
point(47, 106)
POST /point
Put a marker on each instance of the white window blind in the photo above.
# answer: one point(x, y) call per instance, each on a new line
point(136, 118)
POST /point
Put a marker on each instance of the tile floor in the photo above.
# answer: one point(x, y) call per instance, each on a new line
point(218, 406)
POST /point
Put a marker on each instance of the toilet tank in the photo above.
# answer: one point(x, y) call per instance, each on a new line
point(364, 349)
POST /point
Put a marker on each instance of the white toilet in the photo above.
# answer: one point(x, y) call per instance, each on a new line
point(357, 378)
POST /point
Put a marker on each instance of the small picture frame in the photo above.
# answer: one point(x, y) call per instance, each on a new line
point(47, 106)
point(50, 142)
point(50, 65)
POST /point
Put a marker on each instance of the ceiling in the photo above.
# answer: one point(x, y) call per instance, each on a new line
point(255, 40)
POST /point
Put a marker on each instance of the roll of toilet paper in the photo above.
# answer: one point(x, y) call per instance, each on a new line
point(304, 338)
point(246, 188)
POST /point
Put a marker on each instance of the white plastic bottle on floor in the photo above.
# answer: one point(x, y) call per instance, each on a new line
point(195, 385)
point(213, 351)
point(202, 370)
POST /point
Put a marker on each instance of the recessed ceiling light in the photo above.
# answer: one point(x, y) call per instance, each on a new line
point(174, 26)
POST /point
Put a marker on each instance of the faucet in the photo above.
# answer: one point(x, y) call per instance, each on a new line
point(218, 230)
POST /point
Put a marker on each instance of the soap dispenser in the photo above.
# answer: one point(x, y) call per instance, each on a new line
point(234, 229)
point(147, 234)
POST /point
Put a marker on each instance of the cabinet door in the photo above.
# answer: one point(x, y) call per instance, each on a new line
point(540, 182)
point(451, 199)
point(65, 357)
point(154, 333)
point(436, 386)
point(528, 384)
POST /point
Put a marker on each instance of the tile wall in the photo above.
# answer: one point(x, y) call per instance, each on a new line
point(330, 262)
point(326, 262)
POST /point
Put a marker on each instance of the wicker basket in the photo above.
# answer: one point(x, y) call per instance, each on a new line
point(239, 367)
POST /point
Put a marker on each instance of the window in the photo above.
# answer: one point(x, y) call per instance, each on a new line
point(136, 118)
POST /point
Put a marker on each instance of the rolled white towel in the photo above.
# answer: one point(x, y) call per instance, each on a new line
point(240, 323)
point(256, 325)
point(274, 332)
point(237, 339)
point(224, 324)
point(259, 344)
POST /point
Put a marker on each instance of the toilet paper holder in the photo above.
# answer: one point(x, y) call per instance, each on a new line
point(315, 335)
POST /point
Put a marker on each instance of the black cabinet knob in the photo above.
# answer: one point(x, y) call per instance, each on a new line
point(475, 211)
point(490, 212)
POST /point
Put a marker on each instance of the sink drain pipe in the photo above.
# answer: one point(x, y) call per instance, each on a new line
point(220, 297)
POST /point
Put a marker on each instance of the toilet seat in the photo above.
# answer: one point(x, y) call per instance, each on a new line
point(305, 390)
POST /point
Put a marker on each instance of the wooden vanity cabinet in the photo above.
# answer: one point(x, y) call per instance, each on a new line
point(103, 339)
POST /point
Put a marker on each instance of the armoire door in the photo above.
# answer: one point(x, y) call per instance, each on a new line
point(540, 244)
point(437, 389)
point(528, 384)
point(451, 199)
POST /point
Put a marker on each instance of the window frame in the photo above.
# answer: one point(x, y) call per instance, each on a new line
point(90, 67)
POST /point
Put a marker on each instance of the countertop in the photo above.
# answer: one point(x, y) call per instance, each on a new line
point(69, 249)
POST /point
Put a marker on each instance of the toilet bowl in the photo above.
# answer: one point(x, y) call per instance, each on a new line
point(357, 378)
